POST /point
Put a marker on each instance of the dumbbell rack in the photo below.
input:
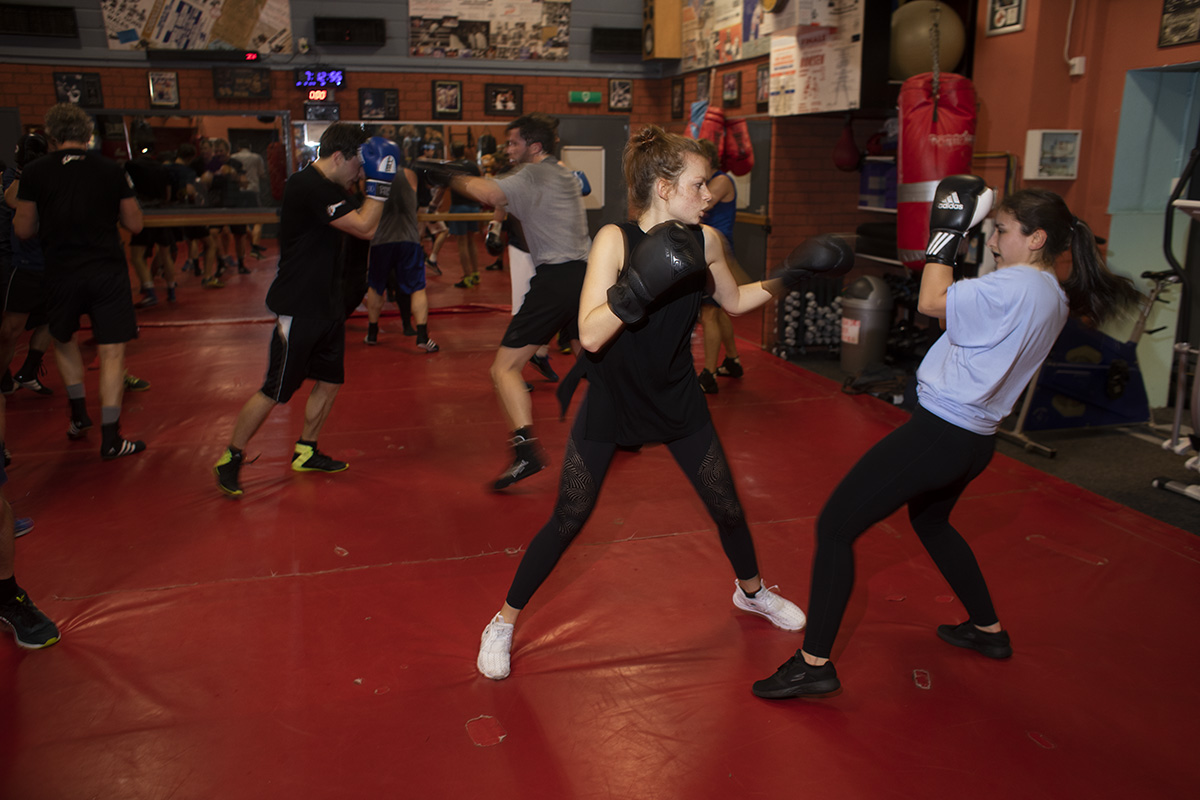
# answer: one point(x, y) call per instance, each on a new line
point(809, 319)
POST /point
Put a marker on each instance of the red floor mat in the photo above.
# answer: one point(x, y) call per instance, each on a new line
point(316, 639)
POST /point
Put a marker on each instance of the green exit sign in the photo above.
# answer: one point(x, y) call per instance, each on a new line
point(592, 98)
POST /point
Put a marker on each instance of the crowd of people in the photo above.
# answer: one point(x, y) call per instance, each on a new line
point(628, 301)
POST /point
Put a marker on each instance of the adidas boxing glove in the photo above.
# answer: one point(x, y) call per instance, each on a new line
point(959, 204)
point(669, 252)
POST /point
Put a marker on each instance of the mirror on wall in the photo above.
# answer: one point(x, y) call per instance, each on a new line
point(482, 142)
point(241, 160)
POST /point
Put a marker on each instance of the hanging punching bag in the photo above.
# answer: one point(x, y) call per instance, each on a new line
point(937, 138)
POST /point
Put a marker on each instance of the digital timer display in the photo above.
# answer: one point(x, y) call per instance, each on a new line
point(319, 78)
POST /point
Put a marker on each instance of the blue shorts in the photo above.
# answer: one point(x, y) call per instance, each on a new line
point(463, 227)
point(406, 259)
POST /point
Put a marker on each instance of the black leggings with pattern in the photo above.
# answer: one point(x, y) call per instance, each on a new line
point(699, 456)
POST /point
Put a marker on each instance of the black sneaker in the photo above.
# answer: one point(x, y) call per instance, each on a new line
point(310, 459)
point(796, 678)
point(371, 338)
point(135, 384)
point(542, 365)
point(78, 429)
point(149, 299)
point(226, 469)
point(120, 448)
point(527, 461)
point(431, 265)
point(992, 645)
point(730, 368)
point(708, 384)
point(242, 269)
point(429, 346)
point(34, 385)
point(33, 629)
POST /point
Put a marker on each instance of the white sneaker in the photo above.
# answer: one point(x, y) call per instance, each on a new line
point(781, 612)
point(494, 646)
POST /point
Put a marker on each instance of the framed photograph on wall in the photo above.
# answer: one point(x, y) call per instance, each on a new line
point(762, 89)
point(1180, 23)
point(502, 99)
point(620, 94)
point(378, 104)
point(677, 98)
point(1005, 16)
point(241, 83)
point(164, 89)
point(1051, 155)
point(731, 89)
point(80, 88)
point(447, 99)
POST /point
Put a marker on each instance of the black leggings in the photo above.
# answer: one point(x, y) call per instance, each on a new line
point(699, 456)
point(926, 463)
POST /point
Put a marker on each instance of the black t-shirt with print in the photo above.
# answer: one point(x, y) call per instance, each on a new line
point(78, 196)
point(309, 280)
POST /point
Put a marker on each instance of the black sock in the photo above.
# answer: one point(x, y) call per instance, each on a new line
point(373, 330)
point(235, 451)
point(110, 434)
point(78, 408)
point(422, 334)
point(33, 363)
point(312, 444)
point(9, 588)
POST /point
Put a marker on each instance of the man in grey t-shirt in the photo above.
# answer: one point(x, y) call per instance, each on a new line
point(545, 196)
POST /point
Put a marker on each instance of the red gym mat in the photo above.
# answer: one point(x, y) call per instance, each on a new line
point(316, 639)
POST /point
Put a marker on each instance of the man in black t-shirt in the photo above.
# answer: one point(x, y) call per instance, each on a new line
point(72, 200)
point(306, 296)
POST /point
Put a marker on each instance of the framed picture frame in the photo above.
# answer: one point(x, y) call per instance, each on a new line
point(1005, 16)
point(731, 89)
point(1179, 23)
point(1051, 155)
point(164, 89)
point(378, 104)
point(620, 94)
point(762, 88)
point(241, 83)
point(677, 98)
point(447, 100)
point(79, 88)
point(502, 99)
point(702, 85)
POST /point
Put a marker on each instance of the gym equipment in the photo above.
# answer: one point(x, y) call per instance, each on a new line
point(937, 138)
point(1089, 379)
point(1184, 352)
point(918, 27)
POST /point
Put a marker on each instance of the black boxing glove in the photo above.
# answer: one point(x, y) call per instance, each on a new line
point(493, 242)
point(825, 255)
point(959, 204)
point(669, 252)
point(438, 173)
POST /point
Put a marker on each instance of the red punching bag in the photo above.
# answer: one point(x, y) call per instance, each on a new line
point(937, 138)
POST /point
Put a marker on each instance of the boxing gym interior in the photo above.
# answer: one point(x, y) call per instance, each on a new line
point(316, 637)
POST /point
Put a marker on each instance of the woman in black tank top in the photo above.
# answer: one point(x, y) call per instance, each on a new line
point(642, 382)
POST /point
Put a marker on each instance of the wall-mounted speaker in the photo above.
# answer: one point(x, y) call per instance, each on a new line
point(616, 41)
point(18, 19)
point(662, 29)
point(349, 31)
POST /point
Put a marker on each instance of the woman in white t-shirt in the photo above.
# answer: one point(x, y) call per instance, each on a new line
point(999, 329)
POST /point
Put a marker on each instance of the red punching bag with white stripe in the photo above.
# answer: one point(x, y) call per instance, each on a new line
point(937, 138)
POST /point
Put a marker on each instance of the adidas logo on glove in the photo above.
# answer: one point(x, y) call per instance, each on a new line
point(951, 203)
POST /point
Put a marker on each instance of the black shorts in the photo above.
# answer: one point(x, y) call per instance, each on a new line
point(107, 298)
point(302, 347)
point(147, 237)
point(25, 293)
point(551, 305)
point(191, 233)
point(406, 259)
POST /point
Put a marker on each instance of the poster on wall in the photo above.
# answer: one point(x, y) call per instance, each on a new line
point(699, 42)
point(503, 29)
point(815, 70)
point(263, 26)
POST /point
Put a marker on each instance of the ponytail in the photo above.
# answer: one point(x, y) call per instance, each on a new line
point(1092, 290)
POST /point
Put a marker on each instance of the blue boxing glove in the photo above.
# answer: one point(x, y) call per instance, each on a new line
point(585, 188)
point(670, 252)
point(380, 158)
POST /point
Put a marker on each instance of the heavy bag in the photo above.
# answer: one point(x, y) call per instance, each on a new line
point(937, 138)
point(738, 155)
